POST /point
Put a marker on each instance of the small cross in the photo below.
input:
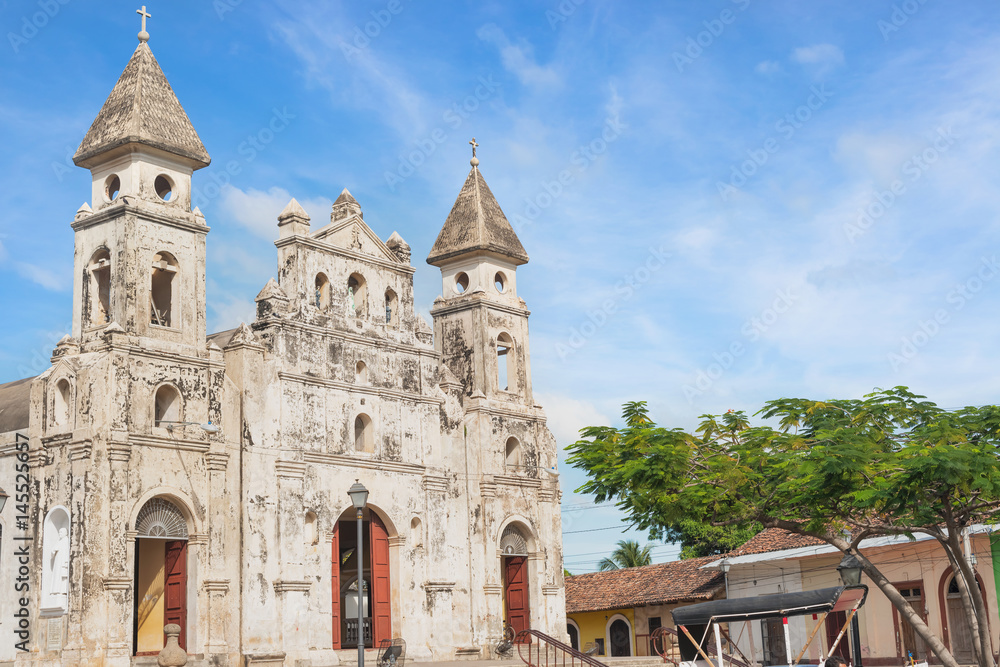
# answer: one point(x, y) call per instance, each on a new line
point(474, 146)
point(143, 35)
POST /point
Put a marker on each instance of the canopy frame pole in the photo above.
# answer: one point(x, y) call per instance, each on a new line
point(753, 649)
point(718, 645)
point(812, 635)
point(788, 641)
point(697, 645)
point(847, 624)
point(725, 633)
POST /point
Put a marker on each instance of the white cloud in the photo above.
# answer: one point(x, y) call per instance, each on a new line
point(767, 67)
point(40, 275)
point(822, 58)
point(566, 416)
point(518, 60)
point(258, 211)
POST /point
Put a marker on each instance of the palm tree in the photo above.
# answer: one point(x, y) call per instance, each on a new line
point(628, 554)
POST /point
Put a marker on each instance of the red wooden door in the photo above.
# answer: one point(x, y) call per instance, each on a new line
point(516, 592)
point(381, 593)
point(835, 622)
point(175, 588)
point(335, 579)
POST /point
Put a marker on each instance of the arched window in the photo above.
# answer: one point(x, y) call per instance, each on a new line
point(364, 440)
point(512, 453)
point(168, 406)
point(161, 301)
point(574, 634)
point(361, 373)
point(416, 533)
point(461, 283)
point(391, 308)
point(322, 291)
point(100, 288)
point(357, 295)
point(61, 403)
point(512, 542)
point(161, 518)
point(506, 367)
point(312, 531)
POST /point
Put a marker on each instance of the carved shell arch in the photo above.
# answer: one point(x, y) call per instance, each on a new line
point(161, 519)
point(512, 542)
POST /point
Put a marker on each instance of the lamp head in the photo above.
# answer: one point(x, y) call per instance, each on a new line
point(850, 570)
point(724, 565)
point(359, 495)
point(3, 499)
point(209, 428)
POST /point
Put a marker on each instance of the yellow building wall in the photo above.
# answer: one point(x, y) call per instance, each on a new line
point(593, 626)
point(150, 579)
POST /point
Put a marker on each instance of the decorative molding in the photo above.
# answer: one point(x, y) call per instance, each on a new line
point(290, 469)
point(167, 442)
point(436, 483)
point(546, 495)
point(38, 457)
point(341, 461)
point(487, 489)
point(197, 539)
point(56, 439)
point(130, 535)
point(467, 651)
point(346, 252)
point(351, 388)
point(551, 589)
point(517, 481)
point(492, 589)
point(397, 541)
point(118, 583)
point(439, 586)
point(216, 461)
point(216, 585)
point(289, 586)
point(119, 451)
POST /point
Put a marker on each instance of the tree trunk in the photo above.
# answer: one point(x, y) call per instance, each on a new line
point(933, 641)
point(972, 597)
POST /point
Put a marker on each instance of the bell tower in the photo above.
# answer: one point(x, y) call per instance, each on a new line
point(480, 323)
point(140, 248)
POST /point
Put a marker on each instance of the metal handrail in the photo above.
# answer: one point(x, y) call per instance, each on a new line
point(562, 656)
point(660, 632)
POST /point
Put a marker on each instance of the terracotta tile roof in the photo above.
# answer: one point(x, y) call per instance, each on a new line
point(774, 539)
point(15, 405)
point(476, 223)
point(661, 583)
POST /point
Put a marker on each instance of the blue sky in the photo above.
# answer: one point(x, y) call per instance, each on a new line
point(724, 201)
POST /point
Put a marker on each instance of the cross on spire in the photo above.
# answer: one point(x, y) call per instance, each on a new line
point(143, 35)
point(474, 161)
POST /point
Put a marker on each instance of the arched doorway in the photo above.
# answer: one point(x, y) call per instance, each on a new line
point(619, 637)
point(514, 562)
point(375, 594)
point(959, 632)
point(160, 575)
point(574, 634)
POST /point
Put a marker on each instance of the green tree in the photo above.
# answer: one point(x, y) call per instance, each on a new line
point(890, 464)
point(628, 554)
point(699, 539)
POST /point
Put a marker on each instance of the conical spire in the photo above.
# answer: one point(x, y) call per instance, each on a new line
point(476, 223)
point(142, 109)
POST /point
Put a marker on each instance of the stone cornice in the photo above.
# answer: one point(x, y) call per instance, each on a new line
point(351, 337)
point(290, 469)
point(438, 586)
point(550, 589)
point(169, 442)
point(117, 583)
point(455, 306)
point(289, 586)
point(521, 482)
point(216, 585)
point(345, 252)
point(437, 483)
point(359, 389)
point(342, 461)
point(216, 461)
point(122, 209)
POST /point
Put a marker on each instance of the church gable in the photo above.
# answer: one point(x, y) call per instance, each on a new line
point(354, 234)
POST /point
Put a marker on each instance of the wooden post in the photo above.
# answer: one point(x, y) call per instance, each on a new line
point(812, 636)
point(847, 624)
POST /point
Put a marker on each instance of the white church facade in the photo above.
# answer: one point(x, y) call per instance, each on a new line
point(158, 474)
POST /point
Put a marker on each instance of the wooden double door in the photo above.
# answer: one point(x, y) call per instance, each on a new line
point(515, 593)
point(160, 593)
point(375, 595)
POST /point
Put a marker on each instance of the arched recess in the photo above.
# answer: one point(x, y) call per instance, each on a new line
point(574, 633)
point(162, 528)
point(619, 639)
point(391, 308)
point(357, 295)
point(364, 433)
point(513, 456)
point(163, 309)
point(56, 559)
point(380, 558)
point(99, 287)
point(951, 613)
point(168, 406)
point(322, 291)
point(62, 403)
point(506, 363)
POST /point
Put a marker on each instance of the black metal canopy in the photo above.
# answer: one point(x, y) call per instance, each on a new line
point(838, 598)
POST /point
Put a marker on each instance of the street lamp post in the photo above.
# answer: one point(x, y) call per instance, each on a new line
point(359, 497)
point(850, 573)
point(724, 565)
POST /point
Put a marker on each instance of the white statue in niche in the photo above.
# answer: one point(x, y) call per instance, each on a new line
point(55, 572)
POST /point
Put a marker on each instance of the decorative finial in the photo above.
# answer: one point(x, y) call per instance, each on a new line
point(143, 35)
point(475, 161)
